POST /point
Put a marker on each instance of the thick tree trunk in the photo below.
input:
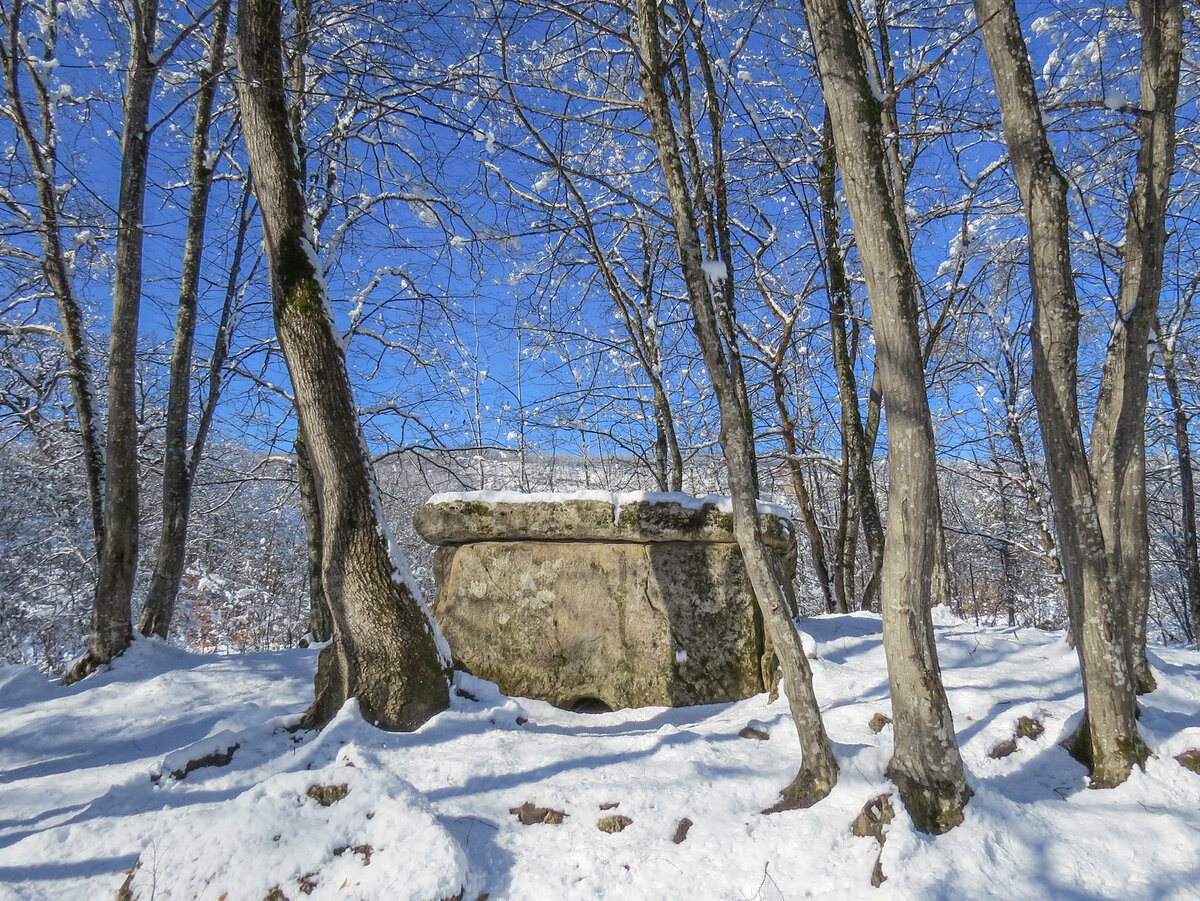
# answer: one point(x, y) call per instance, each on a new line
point(926, 765)
point(1118, 445)
point(1109, 738)
point(818, 772)
point(386, 650)
point(179, 465)
point(883, 73)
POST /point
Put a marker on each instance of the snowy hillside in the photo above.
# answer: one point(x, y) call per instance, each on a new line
point(87, 790)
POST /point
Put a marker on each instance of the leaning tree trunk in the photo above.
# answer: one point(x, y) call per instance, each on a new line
point(1109, 738)
point(926, 765)
point(818, 773)
point(1118, 445)
point(179, 464)
point(386, 650)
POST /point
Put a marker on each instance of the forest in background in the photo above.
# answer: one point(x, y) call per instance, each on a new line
point(480, 189)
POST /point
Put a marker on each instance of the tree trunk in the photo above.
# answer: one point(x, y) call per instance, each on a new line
point(843, 582)
point(320, 621)
point(818, 772)
point(179, 466)
point(1118, 445)
point(926, 765)
point(853, 433)
point(885, 76)
point(1109, 739)
point(387, 652)
point(112, 627)
point(1187, 485)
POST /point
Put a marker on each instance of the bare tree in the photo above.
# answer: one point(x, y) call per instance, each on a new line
point(1118, 443)
point(854, 433)
point(35, 122)
point(710, 295)
point(1100, 522)
point(180, 459)
point(926, 765)
point(112, 626)
point(1187, 480)
point(386, 650)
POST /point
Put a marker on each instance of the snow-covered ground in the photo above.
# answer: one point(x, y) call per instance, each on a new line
point(86, 788)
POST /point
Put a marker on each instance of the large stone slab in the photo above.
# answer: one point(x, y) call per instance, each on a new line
point(626, 601)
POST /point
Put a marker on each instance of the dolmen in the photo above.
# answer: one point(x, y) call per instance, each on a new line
point(595, 601)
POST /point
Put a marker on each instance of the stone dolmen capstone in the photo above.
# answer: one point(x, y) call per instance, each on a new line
point(595, 600)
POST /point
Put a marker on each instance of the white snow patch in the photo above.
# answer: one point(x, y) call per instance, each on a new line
point(433, 805)
point(381, 840)
point(715, 271)
point(1116, 100)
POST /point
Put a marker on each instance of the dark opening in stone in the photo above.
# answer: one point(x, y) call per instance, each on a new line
point(589, 705)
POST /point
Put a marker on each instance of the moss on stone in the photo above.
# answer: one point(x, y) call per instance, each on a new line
point(614, 823)
point(474, 508)
point(1030, 727)
point(328, 795)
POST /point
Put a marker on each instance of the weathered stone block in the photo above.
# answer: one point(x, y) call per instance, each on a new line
point(630, 603)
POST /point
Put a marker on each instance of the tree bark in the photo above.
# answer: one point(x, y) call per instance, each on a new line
point(853, 433)
point(179, 464)
point(818, 772)
point(926, 765)
point(1109, 739)
point(386, 650)
point(1187, 485)
point(112, 625)
point(1118, 445)
point(320, 620)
